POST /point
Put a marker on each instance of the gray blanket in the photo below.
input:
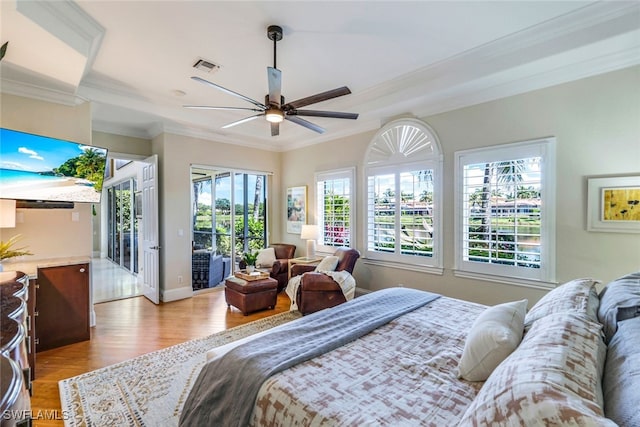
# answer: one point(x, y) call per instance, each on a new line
point(225, 391)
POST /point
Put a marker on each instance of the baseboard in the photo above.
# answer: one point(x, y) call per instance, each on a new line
point(169, 295)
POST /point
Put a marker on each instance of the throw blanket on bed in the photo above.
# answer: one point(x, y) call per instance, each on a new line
point(225, 391)
point(343, 278)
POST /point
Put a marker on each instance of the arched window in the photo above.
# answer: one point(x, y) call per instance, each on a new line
point(403, 175)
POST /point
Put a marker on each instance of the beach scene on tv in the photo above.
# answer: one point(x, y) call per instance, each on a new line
point(34, 167)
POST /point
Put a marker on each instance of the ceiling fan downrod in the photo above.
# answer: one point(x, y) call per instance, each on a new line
point(274, 32)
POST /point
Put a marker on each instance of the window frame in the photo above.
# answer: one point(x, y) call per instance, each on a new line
point(322, 176)
point(544, 277)
point(396, 163)
point(217, 171)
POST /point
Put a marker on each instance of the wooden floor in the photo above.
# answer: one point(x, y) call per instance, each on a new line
point(128, 328)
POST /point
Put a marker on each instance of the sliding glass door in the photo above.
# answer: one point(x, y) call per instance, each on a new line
point(229, 215)
point(250, 214)
point(203, 237)
point(122, 245)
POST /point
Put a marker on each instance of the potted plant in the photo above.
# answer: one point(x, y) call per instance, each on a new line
point(250, 258)
point(7, 250)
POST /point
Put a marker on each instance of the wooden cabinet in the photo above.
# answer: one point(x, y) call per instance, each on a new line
point(62, 306)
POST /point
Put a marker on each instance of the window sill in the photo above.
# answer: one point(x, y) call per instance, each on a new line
point(400, 266)
point(505, 280)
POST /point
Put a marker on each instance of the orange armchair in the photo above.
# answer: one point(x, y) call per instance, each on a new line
point(280, 268)
point(318, 291)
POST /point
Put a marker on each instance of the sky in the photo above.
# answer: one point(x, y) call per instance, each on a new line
point(34, 153)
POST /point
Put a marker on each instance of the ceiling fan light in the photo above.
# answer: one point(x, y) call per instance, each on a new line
point(274, 115)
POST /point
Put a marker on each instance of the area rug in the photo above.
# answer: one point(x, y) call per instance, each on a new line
point(148, 390)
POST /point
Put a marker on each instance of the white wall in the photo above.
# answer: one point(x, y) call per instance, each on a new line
point(176, 154)
point(597, 125)
point(50, 232)
point(119, 144)
point(119, 147)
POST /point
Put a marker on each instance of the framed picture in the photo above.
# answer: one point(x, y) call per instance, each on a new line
point(614, 204)
point(296, 208)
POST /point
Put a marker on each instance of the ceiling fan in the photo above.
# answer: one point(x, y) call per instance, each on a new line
point(274, 108)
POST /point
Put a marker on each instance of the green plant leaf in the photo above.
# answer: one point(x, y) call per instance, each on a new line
point(3, 50)
point(8, 251)
point(250, 257)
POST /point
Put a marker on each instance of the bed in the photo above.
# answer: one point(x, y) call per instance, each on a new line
point(452, 362)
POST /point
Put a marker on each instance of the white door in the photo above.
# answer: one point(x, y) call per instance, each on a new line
point(150, 238)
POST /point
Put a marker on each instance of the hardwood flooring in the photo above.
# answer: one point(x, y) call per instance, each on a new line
point(128, 328)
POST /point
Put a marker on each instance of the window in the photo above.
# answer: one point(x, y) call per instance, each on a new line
point(203, 236)
point(403, 178)
point(505, 210)
point(336, 208)
point(122, 240)
point(229, 211)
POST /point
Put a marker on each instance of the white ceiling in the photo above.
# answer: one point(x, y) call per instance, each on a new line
point(133, 59)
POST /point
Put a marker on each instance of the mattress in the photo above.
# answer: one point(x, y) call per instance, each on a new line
point(403, 373)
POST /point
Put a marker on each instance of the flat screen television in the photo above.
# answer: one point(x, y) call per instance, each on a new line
point(40, 168)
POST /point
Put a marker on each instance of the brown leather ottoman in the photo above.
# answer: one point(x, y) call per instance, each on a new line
point(250, 296)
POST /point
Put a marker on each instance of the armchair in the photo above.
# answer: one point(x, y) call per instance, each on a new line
point(208, 269)
point(318, 291)
point(280, 268)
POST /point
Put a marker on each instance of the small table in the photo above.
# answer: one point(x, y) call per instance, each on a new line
point(302, 260)
point(250, 296)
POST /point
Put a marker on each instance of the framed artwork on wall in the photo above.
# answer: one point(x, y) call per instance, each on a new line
point(614, 204)
point(296, 208)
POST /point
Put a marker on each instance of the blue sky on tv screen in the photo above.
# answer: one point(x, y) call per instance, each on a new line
point(34, 153)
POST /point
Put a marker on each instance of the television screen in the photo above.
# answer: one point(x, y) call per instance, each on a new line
point(34, 167)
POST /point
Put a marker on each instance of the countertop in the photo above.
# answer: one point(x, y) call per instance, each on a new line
point(30, 267)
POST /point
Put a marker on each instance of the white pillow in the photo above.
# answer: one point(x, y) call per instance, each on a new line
point(266, 257)
point(328, 263)
point(493, 336)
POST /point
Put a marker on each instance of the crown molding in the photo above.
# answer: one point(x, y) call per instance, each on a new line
point(68, 22)
point(41, 93)
point(574, 31)
point(120, 129)
point(505, 67)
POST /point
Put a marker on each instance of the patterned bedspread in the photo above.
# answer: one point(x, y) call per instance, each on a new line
point(402, 374)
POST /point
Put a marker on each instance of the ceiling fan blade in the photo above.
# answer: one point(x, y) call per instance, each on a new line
point(239, 122)
point(230, 92)
point(316, 113)
point(330, 94)
point(305, 123)
point(275, 129)
point(207, 107)
point(275, 85)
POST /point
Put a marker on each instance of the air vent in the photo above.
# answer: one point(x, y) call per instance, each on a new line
point(206, 66)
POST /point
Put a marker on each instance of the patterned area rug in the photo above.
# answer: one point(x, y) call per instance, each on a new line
point(148, 390)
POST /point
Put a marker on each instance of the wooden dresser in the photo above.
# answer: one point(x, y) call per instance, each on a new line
point(16, 350)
